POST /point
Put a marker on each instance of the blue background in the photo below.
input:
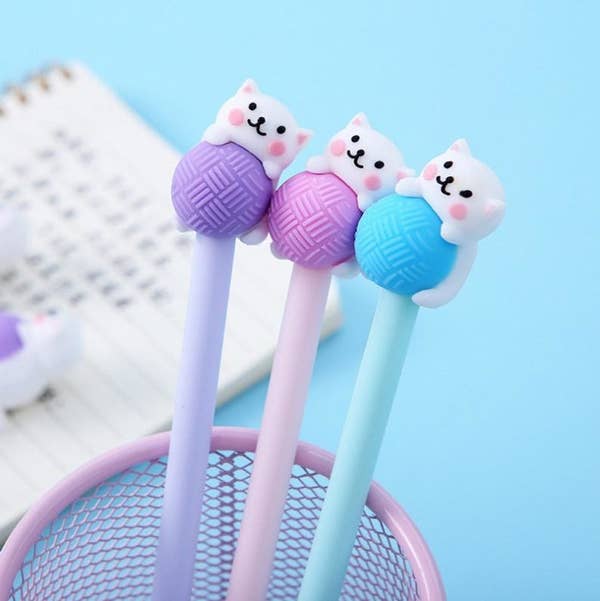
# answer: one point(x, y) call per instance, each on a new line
point(493, 446)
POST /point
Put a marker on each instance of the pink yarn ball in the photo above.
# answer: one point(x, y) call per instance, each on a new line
point(312, 220)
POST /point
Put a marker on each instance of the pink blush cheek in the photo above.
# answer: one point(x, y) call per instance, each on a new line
point(430, 171)
point(458, 211)
point(337, 147)
point(236, 117)
point(276, 148)
point(372, 182)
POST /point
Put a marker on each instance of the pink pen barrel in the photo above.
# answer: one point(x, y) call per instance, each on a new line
point(312, 221)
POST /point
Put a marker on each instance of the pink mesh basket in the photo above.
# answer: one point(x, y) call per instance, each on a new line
point(94, 535)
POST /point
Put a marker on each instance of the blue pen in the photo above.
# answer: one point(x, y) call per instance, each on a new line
point(419, 249)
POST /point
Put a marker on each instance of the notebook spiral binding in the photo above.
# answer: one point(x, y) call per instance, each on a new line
point(40, 79)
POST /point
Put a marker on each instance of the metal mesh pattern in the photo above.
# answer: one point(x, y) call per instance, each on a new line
point(102, 545)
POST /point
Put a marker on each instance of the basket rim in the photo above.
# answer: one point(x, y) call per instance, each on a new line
point(98, 469)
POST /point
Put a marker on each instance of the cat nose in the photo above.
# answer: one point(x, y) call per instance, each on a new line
point(360, 152)
point(261, 120)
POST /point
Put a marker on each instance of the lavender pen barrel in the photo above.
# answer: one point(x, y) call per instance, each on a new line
point(220, 192)
point(221, 189)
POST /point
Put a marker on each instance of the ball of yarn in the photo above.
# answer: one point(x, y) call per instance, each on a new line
point(399, 247)
point(312, 220)
point(220, 191)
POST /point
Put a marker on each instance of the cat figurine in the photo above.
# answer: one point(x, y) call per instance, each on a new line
point(367, 162)
point(264, 127)
point(33, 352)
point(13, 236)
point(364, 159)
point(469, 199)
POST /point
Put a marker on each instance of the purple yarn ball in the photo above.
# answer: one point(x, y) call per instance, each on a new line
point(220, 191)
point(312, 220)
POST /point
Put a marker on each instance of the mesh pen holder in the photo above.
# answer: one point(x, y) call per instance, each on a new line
point(94, 535)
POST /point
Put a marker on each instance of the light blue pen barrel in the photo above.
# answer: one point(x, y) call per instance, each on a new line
point(398, 246)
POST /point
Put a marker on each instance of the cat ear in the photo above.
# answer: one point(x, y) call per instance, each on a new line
point(360, 119)
point(461, 146)
point(248, 87)
point(303, 136)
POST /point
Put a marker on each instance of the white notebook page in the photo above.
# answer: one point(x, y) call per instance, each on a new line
point(94, 182)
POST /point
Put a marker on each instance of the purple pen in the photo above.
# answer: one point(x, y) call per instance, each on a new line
point(221, 189)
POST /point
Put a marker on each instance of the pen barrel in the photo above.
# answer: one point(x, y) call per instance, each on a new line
point(359, 446)
point(212, 262)
point(277, 443)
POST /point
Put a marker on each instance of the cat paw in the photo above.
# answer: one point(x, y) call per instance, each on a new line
point(257, 234)
point(348, 269)
point(451, 233)
point(431, 298)
point(275, 251)
point(318, 164)
point(272, 169)
point(216, 135)
point(364, 201)
point(408, 186)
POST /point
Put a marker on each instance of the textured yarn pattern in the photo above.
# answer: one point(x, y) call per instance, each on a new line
point(312, 220)
point(399, 247)
point(220, 191)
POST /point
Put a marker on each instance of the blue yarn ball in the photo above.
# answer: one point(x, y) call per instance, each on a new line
point(399, 247)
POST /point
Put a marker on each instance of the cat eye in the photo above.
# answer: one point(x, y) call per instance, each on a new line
point(466, 193)
point(379, 164)
point(355, 138)
point(281, 129)
point(252, 106)
point(448, 164)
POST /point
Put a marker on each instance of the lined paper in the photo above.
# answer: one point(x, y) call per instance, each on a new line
point(94, 182)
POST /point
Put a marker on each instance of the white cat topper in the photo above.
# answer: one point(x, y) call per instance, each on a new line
point(33, 352)
point(260, 124)
point(468, 197)
point(364, 159)
point(264, 127)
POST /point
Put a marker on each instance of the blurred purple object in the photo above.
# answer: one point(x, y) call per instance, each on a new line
point(220, 191)
point(312, 220)
point(10, 341)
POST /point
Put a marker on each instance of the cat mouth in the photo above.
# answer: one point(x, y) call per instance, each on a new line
point(443, 183)
point(260, 121)
point(359, 153)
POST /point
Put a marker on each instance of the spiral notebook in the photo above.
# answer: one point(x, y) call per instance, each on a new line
point(94, 181)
